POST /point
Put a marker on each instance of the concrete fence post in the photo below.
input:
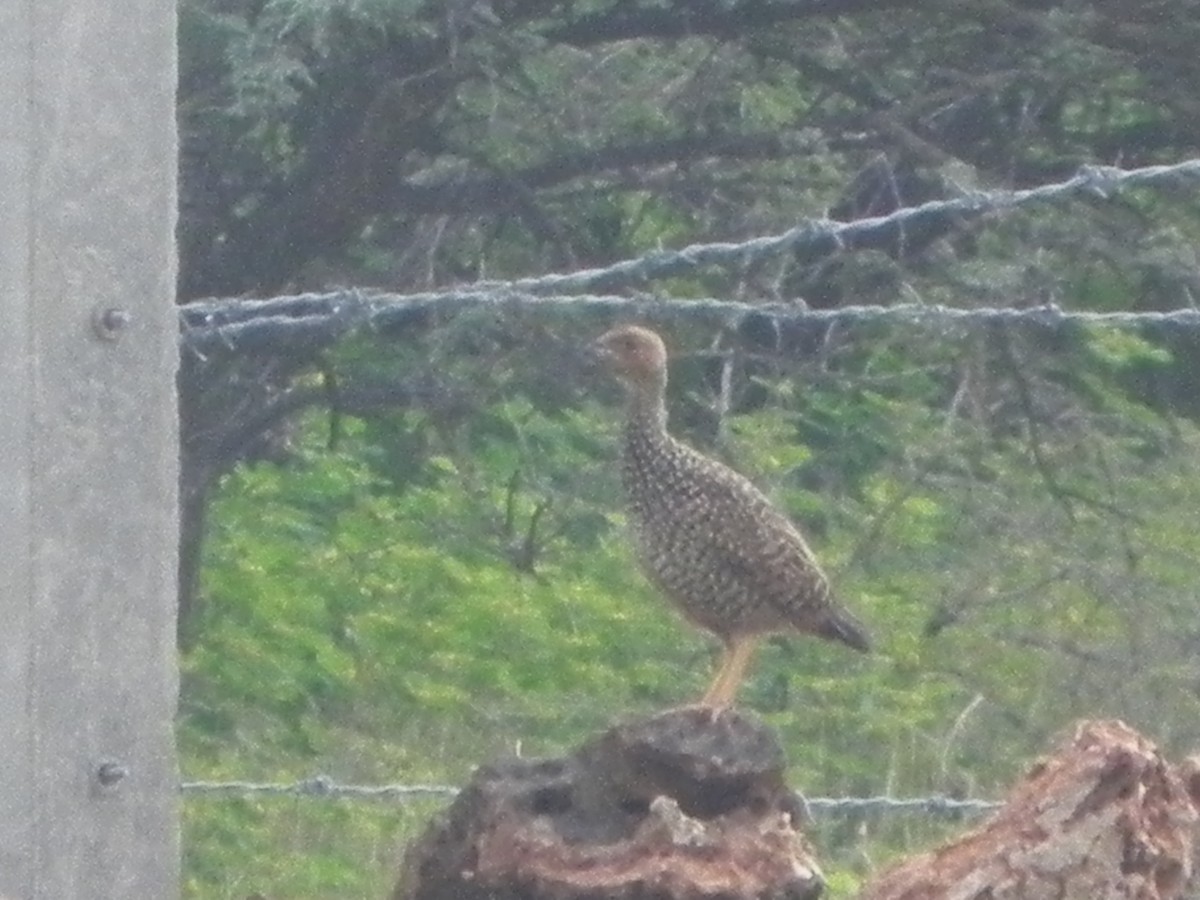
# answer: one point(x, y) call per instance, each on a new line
point(88, 450)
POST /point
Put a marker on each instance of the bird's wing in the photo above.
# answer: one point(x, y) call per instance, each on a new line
point(761, 545)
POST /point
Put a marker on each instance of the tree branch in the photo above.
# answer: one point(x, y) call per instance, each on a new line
point(687, 18)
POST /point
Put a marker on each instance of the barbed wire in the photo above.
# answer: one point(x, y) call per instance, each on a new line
point(348, 311)
point(324, 787)
point(933, 805)
point(317, 786)
point(1100, 181)
point(321, 318)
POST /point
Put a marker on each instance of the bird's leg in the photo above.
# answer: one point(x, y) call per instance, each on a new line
point(707, 700)
point(722, 691)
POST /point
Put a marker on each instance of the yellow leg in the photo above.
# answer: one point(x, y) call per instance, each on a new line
point(706, 700)
point(737, 656)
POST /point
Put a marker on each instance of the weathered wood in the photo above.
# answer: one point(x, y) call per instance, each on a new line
point(1103, 818)
point(672, 807)
point(88, 449)
point(1189, 774)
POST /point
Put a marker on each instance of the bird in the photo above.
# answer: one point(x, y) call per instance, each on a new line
point(705, 536)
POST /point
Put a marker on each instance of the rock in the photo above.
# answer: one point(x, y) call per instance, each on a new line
point(679, 806)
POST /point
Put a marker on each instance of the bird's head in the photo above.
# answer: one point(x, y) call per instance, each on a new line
point(635, 355)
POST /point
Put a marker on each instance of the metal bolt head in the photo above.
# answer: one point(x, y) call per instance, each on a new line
point(110, 774)
point(109, 322)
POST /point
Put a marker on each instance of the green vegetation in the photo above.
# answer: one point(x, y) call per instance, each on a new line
point(403, 552)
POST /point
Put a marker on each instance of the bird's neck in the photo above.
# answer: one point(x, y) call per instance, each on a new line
point(646, 410)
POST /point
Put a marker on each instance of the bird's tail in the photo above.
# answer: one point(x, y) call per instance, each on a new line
point(839, 625)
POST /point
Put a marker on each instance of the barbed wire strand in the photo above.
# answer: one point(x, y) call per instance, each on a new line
point(934, 805)
point(1100, 181)
point(213, 324)
point(324, 787)
point(317, 786)
point(349, 311)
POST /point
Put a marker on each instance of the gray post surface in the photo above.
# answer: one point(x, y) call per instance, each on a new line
point(88, 450)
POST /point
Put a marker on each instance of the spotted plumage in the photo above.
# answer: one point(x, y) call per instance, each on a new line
point(707, 537)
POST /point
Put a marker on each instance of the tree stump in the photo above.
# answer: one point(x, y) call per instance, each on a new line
point(1104, 818)
point(679, 806)
point(1189, 772)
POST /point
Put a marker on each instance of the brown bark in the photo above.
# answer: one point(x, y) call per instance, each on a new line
point(1105, 817)
point(677, 806)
